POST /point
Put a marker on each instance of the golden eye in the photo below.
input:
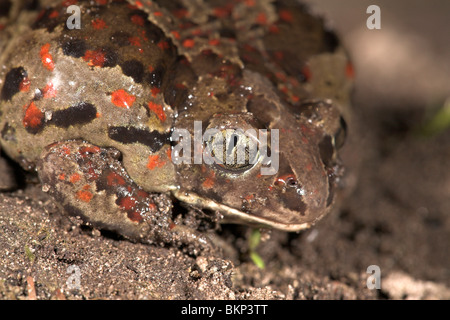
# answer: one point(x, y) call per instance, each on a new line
point(233, 149)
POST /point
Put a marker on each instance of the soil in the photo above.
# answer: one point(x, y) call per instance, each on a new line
point(394, 215)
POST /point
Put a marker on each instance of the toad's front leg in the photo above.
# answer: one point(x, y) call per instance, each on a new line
point(90, 182)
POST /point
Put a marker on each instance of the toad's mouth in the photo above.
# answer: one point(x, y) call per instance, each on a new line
point(233, 215)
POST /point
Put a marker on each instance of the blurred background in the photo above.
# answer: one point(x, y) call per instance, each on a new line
point(407, 61)
point(399, 214)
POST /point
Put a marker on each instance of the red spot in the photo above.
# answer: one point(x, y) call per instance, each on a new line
point(143, 35)
point(127, 203)
point(139, 4)
point(158, 110)
point(208, 183)
point(33, 117)
point(66, 150)
point(306, 130)
point(285, 15)
point(131, 6)
point(142, 194)
point(279, 55)
point(95, 58)
point(284, 89)
point(281, 76)
point(138, 20)
point(85, 195)
point(75, 178)
point(40, 15)
point(180, 13)
point(222, 12)
point(2, 26)
point(46, 57)
point(197, 32)
point(67, 3)
point(24, 85)
point(309, 166)
point(169, 153)
point(49, 91)
point(135, 216)
point(101, 2)
point(250, 3)
point(92, 174)
point(155, 91)
point(250, 48)
point(163, 45)
point(122, 99)
point(114, 179)
point(158, 13)
point(176, 34)
point(62, 177)
point(188, 43)
point(135, 41)
point(214, 42)
point(250, 197)
point(261, 18)
point(86, 150)
point(98, 115)
point(99, 24)
point(155, 162)
point(306, 71)
point(274, 29)
point(349, 71)
point(53, 14)
point(151, 68)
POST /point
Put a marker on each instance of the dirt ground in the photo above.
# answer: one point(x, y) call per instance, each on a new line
point(396, 214)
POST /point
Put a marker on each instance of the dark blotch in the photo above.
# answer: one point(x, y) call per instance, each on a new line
point(44, 21)
point(326, 150)
point(152, 139)
point(74, 48)
point(12, 82)
point(4, 8)
point(153, 33)
point(341, 135)
point(32, 5)
point(331, 40)
point(80, 113)
point(120, 38)
point(155, 78)
point(293, 201)
point(175, 96)
point(111, 58)
point(227, 33)
point(8, 133)
point(133, 68)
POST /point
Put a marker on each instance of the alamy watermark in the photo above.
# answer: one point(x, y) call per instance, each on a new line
point(374, 280)
point(73, 282)
point(374, 21)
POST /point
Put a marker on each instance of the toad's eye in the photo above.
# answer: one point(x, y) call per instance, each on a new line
point(233, 149)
